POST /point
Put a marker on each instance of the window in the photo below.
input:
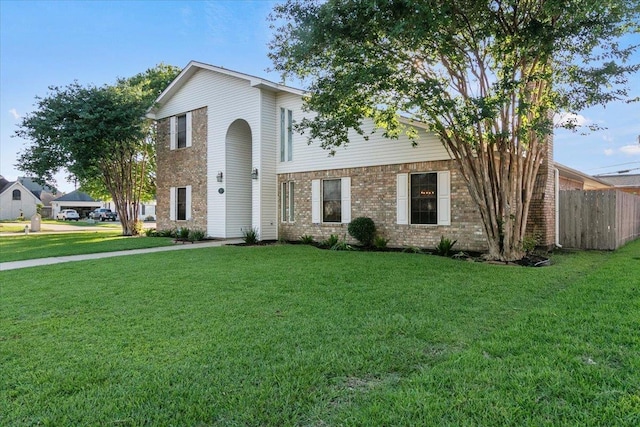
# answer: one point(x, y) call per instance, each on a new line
point(286, 135)
point(331, 200)
point(16, 195)
point(180, 131)
point(287, 202)
point(180, 203)
point(424, 198)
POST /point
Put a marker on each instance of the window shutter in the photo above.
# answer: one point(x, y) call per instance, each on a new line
point(188, 203)
point(402, 198)
point(315, 201)
point(189, 122)
point(172, 204)
point(172, 133)
point(444, 198)
point(345, 207)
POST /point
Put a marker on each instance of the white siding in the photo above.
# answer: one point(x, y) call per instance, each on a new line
point(359, 153)
point(238, 179)
point(266, 197)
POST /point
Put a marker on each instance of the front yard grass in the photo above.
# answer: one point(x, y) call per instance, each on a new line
point(292, 335)
point(32, 246)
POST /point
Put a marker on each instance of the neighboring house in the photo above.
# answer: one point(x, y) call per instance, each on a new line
point(228, 161)
point(571, 179)
point(629, 183)
point(146, 210)
point(81, 202)
point(16, 201)
point(45, 193)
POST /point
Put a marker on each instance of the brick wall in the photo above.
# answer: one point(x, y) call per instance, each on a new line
point(182, 167)
point(542, 216)
point(373, 194)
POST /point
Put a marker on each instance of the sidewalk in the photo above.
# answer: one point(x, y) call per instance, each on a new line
point(4, 266)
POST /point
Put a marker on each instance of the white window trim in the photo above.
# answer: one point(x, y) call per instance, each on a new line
point(173, 200)
point(403, 205)
point(286, 135)
point(173, 144)
point(345, 201)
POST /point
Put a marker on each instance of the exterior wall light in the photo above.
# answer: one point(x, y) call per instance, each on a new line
point(254, 173)
point(219, 176)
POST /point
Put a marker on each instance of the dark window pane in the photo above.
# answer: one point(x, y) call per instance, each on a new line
point(17, 195)
point(181, 204)
point(424, 198)
point(181, 134)
point(331, 200)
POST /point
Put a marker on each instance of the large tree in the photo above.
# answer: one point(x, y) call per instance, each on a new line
point(101, 137)
point(486, 76)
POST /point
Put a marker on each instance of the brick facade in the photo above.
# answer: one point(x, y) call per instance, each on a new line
point(373, 194)
point(541, 222)
point(182, 167)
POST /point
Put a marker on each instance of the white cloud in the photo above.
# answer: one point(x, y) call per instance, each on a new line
point(572, 119)
point(633, 150)
point(607, 138)
point(608, 152)
point(14, 113)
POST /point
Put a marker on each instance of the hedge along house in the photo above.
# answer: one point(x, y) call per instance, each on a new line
point(228, 161)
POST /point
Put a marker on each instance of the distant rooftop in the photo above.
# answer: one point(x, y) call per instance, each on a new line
point(75, 196)
point(630, 180)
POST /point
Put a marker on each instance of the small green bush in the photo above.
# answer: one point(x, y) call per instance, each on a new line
point(182, 233)
point(444, 247)
point(150, 232)
point(362, 229)
point(412, 250)
point(196, 235)
point(306, 239)
point(250, 236)
point(331, 241)
point(380, 242)
point(166, 233)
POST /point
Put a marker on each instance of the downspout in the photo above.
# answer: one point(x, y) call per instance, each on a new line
point(556, 174)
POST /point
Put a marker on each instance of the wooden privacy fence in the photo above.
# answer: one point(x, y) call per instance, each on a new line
point(598, 219)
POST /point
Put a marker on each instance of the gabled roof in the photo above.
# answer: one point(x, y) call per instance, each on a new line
point(194, 66)
point(4, 184)
point(35, 187)
point(75, 196)
point(631, 180)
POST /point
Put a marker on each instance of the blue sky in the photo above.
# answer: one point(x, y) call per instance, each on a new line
point(49, 43)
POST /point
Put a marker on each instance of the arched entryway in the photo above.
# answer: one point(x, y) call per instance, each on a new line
point(238, 178)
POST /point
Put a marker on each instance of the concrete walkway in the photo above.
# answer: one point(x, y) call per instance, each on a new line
point(4, 266)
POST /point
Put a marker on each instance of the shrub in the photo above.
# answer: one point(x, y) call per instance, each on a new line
point(138, 227)
point(331, 241)
point(196, 235)
point(412, 249)
point(362, 229)
point(529, 243)
point(149, 218)
point(250, 236)
point(182, 233)
point(444, 247)
point(380, 242)
point(166, 233)
point(306, 239)
point(150, 232)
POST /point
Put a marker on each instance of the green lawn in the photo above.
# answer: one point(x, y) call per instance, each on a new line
point(293, 335)
point(16, 248)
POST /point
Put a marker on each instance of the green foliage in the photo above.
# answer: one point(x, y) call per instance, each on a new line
point(331, 241)
point(379, 242)
point(486, 77)
point(307, 239)
point(412, 250)
point(443, 248)
point(341, 245)
point(150, 232)
point(196, 235)
point(250, 236)
point(166, 233)
point(100, 136)
point(362, 229)
point(529, 243)
point(182, 233)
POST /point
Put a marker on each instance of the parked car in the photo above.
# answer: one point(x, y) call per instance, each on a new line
point(102, 214)
point(68, 215)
